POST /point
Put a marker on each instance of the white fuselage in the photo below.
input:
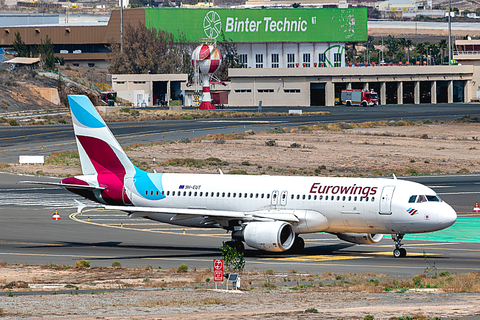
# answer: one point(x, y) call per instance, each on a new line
point(359, 205)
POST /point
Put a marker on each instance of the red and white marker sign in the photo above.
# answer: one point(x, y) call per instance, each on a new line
point(56, 216)
point(217, 270)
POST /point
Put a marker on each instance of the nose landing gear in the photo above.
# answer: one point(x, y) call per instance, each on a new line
point(399, 252)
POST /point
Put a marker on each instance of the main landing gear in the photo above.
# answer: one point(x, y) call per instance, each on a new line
point(237, 244)
point(298, 245)
point(399, 252)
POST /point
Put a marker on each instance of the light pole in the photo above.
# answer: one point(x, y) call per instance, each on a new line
point(449, 33)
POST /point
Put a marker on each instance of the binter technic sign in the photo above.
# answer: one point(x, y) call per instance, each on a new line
point(262, 25)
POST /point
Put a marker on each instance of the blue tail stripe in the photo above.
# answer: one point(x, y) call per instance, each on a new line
point(85, 112)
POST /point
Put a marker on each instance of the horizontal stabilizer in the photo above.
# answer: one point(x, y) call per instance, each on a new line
point(64, 185)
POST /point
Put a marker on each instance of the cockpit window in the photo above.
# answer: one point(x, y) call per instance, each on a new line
point(433, 198)
point(421, 198)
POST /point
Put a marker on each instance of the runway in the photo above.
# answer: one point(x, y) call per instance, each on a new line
point(30, 236)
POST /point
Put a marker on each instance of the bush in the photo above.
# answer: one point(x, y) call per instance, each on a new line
point(270, 143)
point(82, 263)
point(185, 140)
point(182, 268)
point(13, 122)
point(269, 271)
point(237, 171)
point(187, 117)
point(295, 145)
point(411, 171)
point(276, 130)
point(219, 141)
point(311, 310)
point(116, 264)
point(246, 163)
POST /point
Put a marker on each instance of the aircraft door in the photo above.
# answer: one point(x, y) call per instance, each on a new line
point(283, 198)
point(386, 200)
point(275, 198)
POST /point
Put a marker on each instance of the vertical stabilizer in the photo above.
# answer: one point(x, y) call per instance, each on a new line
point(99, 151)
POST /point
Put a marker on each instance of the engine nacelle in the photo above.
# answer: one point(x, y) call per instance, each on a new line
point(274, 236)
point(360, 238)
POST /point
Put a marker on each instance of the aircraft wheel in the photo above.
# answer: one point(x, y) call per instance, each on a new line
point(298, 245)
point(239, 246)
point(399, 253)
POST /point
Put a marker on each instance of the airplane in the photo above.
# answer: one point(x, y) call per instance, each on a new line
point(266, 212)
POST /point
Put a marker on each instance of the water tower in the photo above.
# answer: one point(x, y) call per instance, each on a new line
point(206, 59)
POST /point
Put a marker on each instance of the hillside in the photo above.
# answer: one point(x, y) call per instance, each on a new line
point(20, 90)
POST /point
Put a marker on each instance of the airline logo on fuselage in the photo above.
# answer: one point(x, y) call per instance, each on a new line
point(347, 190)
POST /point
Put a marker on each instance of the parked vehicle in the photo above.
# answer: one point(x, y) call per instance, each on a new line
point(359, 98)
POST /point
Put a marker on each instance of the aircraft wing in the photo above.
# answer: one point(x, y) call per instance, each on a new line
point(64, 185)
point(187, 213)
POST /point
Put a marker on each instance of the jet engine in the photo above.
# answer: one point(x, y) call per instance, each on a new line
point(360, 238)
point(275, 236)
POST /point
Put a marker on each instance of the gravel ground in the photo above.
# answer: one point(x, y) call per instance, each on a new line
point(200, 304)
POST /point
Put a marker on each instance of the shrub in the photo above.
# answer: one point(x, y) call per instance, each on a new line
point(185, 140)
point(295, 145)
point(219, 141)
point(116, 264)
point(237, 171)
point(13, 122)
point(311, 310)
point(411, 171)
point(82, 263)
point(187, 117)
point(246, 163)
point(269, 271)
point(276, 130)
point(182, 268)
point(270, 143)
point(368, 317)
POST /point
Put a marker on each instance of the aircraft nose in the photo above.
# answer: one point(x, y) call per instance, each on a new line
point(447, 216)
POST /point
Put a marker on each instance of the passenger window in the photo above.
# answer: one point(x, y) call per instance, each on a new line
point(168, 193)
point(421, 199)
point(151, 193)
point(212, 194)
point(223, 194)
point(268, 195)
point(251, 195)
point(332, 198)
point(361, 198)
point(355, 198)
point(263, 195)
point(349, 198)
point(234, 194)
point(326, 197)
point(146, 192)
point(173, 193)
point(184, 193)
point(309, 197)
point(412, 199)
point(315, 197)
point(373, 199)
point(228, 195)
point(343, 198)
point(303, 197)
point(195, 194)
point(292, 196)
point(256, 195)
point(190, 193)
point(201, 194)
point(366, 199)
point(245, 195)
point(162, 193)
point(239, 195)
point(321, 197)
point(218, 194)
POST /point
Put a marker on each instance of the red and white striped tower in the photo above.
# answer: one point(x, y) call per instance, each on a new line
point(207, 59)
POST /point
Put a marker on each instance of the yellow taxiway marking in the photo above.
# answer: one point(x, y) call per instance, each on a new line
point(245, 121)
point(319, 258)
point(177, 231)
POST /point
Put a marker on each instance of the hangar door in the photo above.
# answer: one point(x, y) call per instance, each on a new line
point(317, 94)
